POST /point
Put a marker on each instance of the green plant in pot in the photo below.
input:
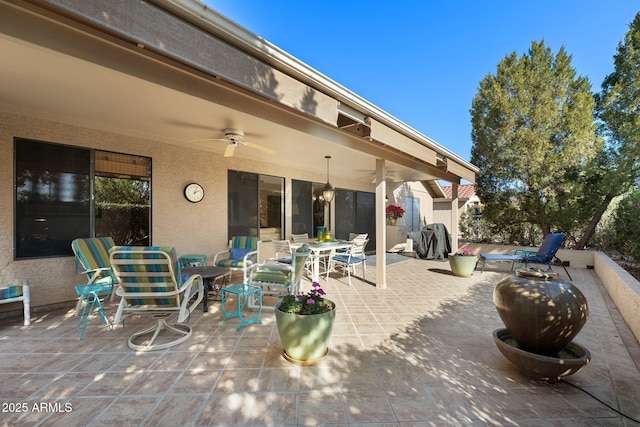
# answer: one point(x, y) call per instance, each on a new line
point(463, 262)
point(305, 323)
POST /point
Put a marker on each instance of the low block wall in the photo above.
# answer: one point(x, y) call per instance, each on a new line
point(623, 288)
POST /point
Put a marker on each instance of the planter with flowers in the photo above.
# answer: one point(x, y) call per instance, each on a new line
point(463, 262)
point(393, 213)
point(305, 323)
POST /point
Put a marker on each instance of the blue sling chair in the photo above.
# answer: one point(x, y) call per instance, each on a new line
point(545, 255)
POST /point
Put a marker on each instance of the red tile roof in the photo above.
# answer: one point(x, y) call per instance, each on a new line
point(465, 191)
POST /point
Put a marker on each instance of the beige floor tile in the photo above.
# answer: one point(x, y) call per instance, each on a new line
point(392, 362)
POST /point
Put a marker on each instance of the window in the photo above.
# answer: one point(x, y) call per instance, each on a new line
point(122, 197)
point(309, 207)
point(256, 205)
point(53, 197)
point(303, 205)
point(355, 213)
point(412, 214)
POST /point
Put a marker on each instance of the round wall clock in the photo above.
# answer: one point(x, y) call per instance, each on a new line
point(194, 192)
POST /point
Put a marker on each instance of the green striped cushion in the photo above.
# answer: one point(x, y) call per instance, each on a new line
point(128, 281)
point(270, 276)
point(244, 242)
point(237, 263)
point(92, 253)
point(10, 292)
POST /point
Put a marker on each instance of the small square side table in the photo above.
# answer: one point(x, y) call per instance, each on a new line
point(243, 292)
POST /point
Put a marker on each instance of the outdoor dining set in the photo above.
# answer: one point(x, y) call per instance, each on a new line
point(154, 281)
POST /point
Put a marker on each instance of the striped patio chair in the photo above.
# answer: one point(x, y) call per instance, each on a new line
point(241, 255)
point(18, 293)
point(149, 282)
point(277, 278)
point(92, 259)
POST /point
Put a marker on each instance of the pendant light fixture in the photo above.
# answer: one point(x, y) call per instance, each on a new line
point(327, 191)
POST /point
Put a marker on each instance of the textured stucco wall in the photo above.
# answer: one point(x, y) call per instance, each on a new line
point(623, 288)
point(190, 228)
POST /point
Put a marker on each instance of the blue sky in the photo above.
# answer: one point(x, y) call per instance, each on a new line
point(422, 61)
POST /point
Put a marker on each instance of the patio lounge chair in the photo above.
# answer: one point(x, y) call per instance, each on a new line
point(545, 255)
point(149, 282)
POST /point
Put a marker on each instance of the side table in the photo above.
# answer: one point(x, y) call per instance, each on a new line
point(243, 293)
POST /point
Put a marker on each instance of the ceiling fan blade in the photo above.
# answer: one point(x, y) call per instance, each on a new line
point(260, 147)
point(389, 178)
point(206, 139)
point(231, 148)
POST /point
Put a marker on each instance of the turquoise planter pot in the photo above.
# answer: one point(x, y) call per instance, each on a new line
point(462, 266)
point(305, 338)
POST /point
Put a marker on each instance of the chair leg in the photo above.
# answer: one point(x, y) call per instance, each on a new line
point(563, 266)
point(183, 330)
point(26, 303)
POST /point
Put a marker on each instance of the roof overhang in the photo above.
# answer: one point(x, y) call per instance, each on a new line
point(110, 66)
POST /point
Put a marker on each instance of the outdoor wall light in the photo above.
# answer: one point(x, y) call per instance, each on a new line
point(328, 191)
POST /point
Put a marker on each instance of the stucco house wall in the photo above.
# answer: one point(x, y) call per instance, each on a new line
point(398, 193)
point(190, 228)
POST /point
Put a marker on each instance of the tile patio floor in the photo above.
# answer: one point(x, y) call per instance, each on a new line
point(418, 353)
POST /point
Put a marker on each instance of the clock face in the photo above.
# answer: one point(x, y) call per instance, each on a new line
point(194, 192)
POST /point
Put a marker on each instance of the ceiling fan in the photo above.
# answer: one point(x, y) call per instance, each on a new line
point(235, 137)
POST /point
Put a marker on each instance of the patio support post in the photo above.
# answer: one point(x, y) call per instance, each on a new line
point(454, 216)
point(381, 224)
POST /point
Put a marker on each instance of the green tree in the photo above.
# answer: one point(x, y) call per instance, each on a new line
point(533, 134)
point(616, 168)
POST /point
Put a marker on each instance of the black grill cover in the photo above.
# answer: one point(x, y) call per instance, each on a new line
point(434, 242)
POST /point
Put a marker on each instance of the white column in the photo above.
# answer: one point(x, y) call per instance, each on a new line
point(454, 216)
point(381, 224)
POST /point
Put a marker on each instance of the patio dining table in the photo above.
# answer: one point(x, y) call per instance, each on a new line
point(320, 249)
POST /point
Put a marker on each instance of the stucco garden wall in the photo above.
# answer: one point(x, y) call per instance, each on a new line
point(190, 228)
point(623, 288)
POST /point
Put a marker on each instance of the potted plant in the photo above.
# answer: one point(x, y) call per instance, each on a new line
point(463, 262)
point(393, 213)
point(305, 323)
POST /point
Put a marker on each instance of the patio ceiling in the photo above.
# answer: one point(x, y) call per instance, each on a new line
point(60, 74)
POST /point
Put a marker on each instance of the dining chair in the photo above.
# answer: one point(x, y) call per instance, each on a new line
point(300, 238)
point(278, 279)
point(283, 251)
point(354, 256)
point(353, 236)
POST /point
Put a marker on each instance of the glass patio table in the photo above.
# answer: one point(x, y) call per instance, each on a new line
point(320, 249)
